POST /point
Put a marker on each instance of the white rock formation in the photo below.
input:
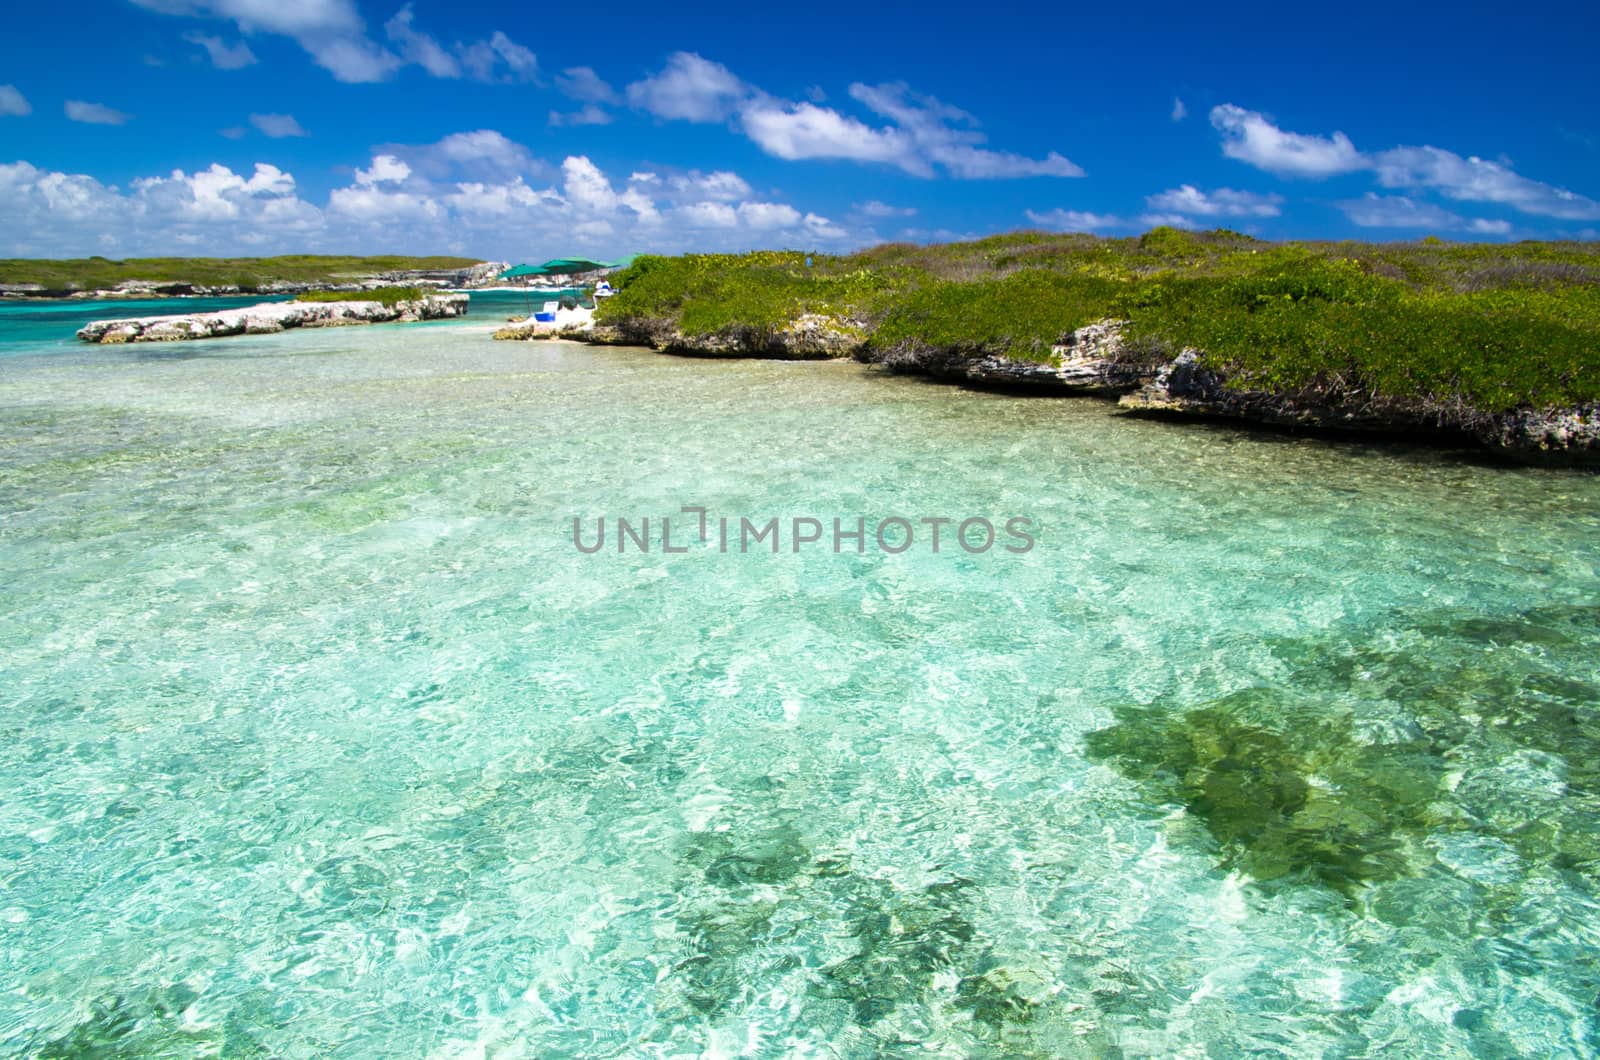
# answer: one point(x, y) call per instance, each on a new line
point(270, 317)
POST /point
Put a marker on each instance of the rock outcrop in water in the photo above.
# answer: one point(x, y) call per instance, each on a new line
point(1185, 387)
point(271, 317)
point(1089, 361)
point(574, 324)
point(1097, 361)
point(809, 337)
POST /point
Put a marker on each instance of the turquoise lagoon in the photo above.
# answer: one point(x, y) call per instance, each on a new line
point(29, 326)
point(322, 739)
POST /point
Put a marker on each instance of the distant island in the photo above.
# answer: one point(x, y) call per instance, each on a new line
point(1494, 345)
point(161, 277)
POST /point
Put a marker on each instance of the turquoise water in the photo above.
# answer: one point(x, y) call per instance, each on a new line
point(323, 739)
point(40, 326)
point(36, 326)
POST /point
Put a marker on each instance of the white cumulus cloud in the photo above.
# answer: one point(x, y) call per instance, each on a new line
point(53, 214)
point(224, 56)
point(216, 193)
point(584, 85)
point(334, 35)
point(13, 103)
point(454, 195)
point(586, 186)
point(874, 208)
point(482, 60)
point(719, 186)
point(95, 113)
point(417, 47)
point(385, 169)
point(588, 114)
point(947, 135)
point(1224, 202)
point(923, 135)
point(804, 130)
point(1398, 211)
point(1479, 180)
point(1168, 220)
point(709, 214)
point(277, 126)
point(689, 88)
point(1252, 137)
point(1483, 226)
point(370, 203)
point(764, 215)
point(820, 227)
point(1075, 220)
point(483, 150)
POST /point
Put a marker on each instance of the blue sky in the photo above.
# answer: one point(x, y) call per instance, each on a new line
point(520, 131)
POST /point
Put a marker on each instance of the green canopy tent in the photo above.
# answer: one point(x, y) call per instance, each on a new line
point(517, 272)
point(524, 272)
point(565, 267)
point(573, 265)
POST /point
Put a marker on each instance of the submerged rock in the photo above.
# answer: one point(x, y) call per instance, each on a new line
point(1386, 761)
point(271, 317)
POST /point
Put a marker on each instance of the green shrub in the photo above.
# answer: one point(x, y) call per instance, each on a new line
point(1020, 316)
point(1495, 326)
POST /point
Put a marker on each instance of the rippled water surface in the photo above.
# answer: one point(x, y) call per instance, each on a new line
point(322, 739)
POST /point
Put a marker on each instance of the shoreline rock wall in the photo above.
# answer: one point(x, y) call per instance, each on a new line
point(1094, 361)
point(270, 317)
point(810, 337)
point(1186, 388)
point(1089, 361)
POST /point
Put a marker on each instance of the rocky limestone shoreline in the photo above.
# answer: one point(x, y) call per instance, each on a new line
point(1089, 361)
point(1096, 361)
point(1186, 388)
point(271, 317)
point(811, 337)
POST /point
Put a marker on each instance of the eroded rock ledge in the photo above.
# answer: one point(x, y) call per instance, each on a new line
point(1095, 360)
point(269, 318)
point(1185, 387)
point(1092, 360)
point(811, 337)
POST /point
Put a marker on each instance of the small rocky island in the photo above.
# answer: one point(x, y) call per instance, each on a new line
point(271, 317)
point(1493, 347)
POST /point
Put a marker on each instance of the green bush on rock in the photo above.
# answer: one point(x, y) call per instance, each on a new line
point(1493, 327)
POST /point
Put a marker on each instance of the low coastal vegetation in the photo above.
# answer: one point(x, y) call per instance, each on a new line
point(247, 274)
point(387, 295)
point(1439, 326)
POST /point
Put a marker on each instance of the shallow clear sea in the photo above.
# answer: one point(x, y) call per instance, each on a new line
point(322, 739)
